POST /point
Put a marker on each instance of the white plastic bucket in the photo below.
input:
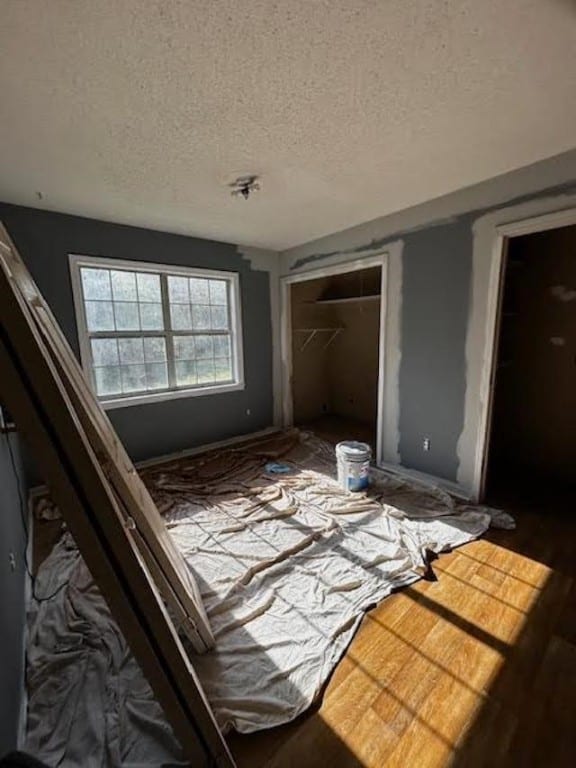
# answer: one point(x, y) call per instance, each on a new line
point(353, 461)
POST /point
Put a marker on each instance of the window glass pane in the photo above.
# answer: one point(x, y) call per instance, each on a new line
point(180, 316)
point(129, 343)
point(156, 375)
point(199, 293)
point(148, 287)
point(222, 369)
point(99, 316)
point(185, 373)
point(104, 351)
point(127, 317)
point(154, 350)
point(204, 347)
point(221, 346)
point(95, 283)
point(201, 317)
point(123, 285)
point(133, 378)
point(219, 316)
point(205, 370)
point(218, 292)
point(184, 348)
point(108, 381)
point(151, 317)
point(178, 289)
point(131, 350)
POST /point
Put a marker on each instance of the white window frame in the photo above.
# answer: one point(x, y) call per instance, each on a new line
point(78, 261)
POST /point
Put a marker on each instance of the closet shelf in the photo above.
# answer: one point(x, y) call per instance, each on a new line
point(349, 299)
point(312, 332)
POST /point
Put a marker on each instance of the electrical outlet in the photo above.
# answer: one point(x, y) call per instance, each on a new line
point(426, 444)
point(248, 412)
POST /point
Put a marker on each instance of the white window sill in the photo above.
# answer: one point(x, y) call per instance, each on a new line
point(159, 397)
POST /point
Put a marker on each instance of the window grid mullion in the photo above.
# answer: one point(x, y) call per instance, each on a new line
point(155, 334)
point(168, 332)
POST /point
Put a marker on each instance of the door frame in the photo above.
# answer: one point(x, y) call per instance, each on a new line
point(501, 236)
point(388, 345)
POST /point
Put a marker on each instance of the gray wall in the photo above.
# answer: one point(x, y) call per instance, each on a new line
point(12, 597)
point(437, 267)
point(45, 240)
point(436, 289)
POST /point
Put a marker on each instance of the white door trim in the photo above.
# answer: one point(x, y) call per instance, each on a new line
point(490, 233)
point(390, 261)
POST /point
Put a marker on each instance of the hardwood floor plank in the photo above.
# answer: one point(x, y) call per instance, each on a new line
point(474, 670)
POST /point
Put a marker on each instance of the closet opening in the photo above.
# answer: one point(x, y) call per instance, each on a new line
point(335, 324)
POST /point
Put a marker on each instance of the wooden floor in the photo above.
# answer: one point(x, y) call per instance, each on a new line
point(475, 669)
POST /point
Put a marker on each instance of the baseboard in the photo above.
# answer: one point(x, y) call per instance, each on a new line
point(430, 481)
point(207, 447)
point(40, 490)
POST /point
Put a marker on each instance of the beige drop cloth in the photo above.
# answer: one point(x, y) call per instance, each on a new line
point(287, 565)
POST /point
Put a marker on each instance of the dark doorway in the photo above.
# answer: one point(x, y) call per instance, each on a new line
point(532, 449)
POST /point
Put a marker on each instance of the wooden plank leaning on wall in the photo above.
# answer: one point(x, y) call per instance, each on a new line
point(175, 580)
point(93, 492)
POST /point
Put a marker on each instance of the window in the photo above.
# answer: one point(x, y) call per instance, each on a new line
point(150, 332)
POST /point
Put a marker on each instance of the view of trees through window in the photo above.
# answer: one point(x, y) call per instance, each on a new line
point(150, 331)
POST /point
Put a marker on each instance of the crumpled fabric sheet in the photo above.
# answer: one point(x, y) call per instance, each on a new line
point(287, 565)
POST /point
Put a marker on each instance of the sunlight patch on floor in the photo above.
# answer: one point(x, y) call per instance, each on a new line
point(420, 670)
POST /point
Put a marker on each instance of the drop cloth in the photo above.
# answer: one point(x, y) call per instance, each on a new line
point(287, 565)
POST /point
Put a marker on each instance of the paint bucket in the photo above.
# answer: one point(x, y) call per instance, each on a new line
point(353, 461)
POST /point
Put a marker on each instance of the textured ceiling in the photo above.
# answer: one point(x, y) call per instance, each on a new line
point(141, 111)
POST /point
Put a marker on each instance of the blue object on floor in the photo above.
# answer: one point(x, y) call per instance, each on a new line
point(277, 468)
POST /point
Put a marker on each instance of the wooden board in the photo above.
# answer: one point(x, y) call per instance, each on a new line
point(36, 391)
point(175, 579)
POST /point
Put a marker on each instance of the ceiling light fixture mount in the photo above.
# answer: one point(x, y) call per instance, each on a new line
point(244, 186)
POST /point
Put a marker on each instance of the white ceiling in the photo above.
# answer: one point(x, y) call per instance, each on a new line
point(141, 111)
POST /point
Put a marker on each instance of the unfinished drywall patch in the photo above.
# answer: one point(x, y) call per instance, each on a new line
point(441, 223)
point(555, 174)
point(46, 239)
point(391, 334)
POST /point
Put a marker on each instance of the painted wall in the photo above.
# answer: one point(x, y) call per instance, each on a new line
point(436, 303)
point(437, 267)
point(12, 596)
point(45, 240)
